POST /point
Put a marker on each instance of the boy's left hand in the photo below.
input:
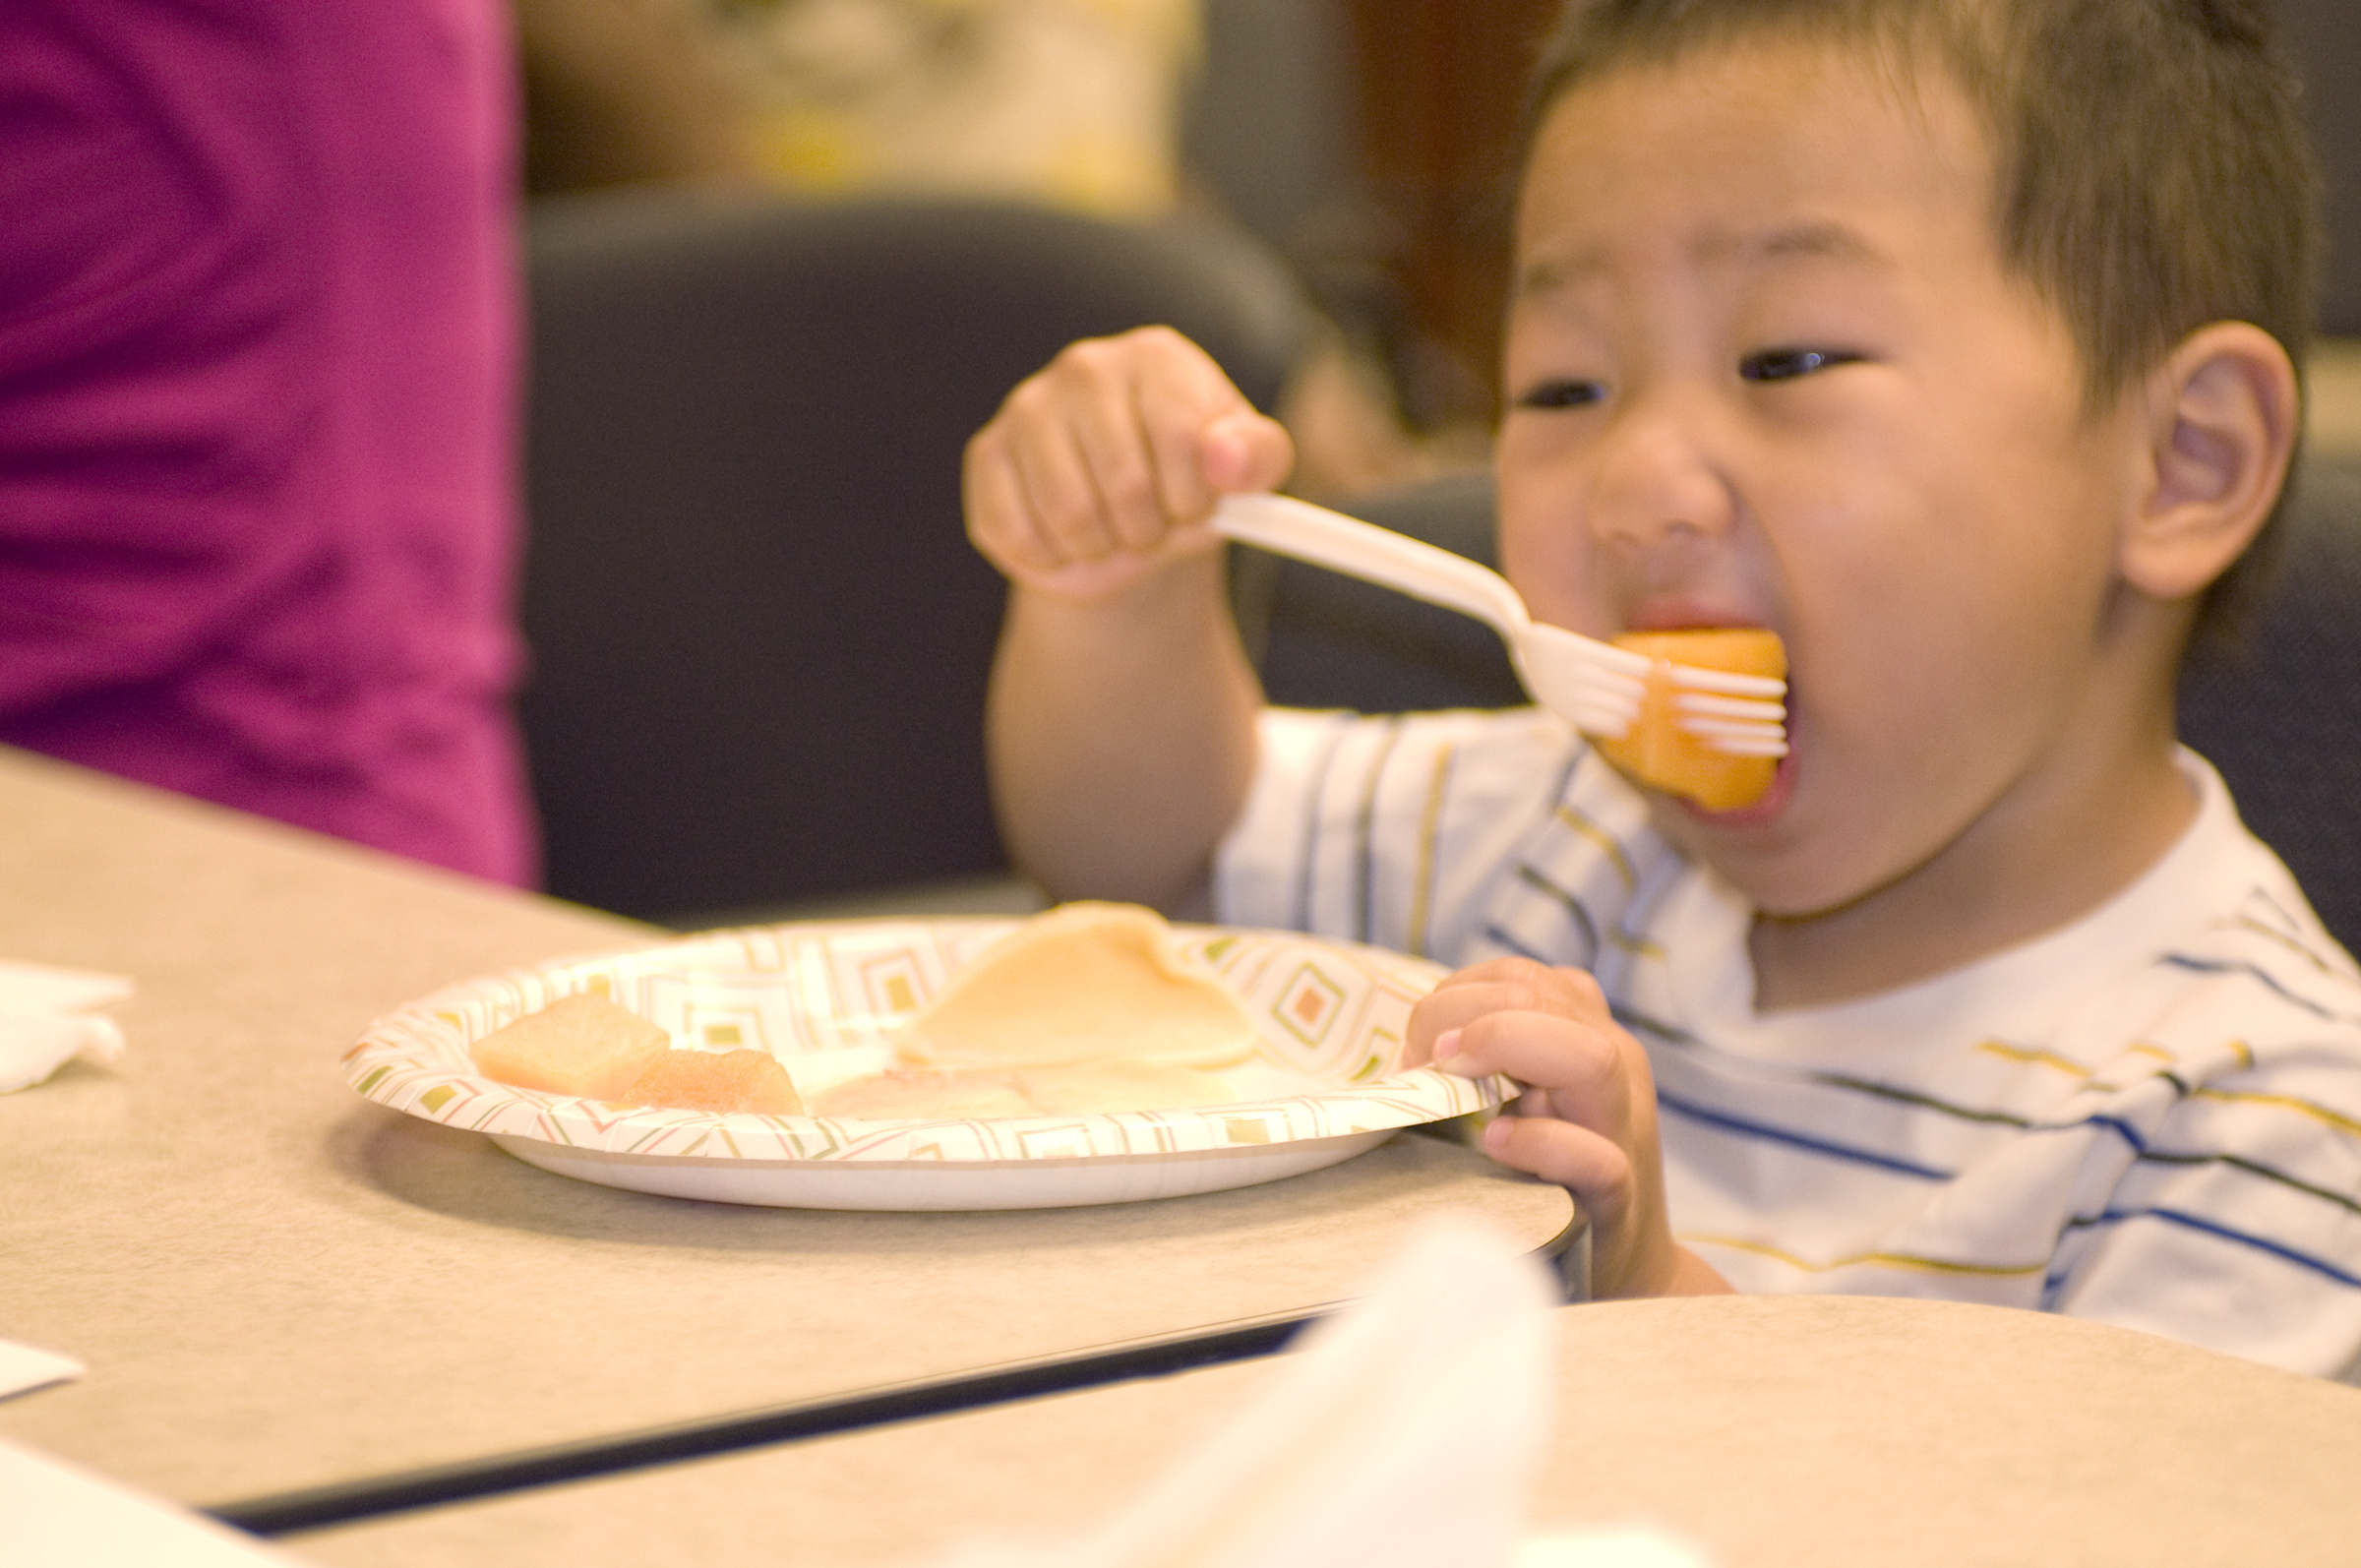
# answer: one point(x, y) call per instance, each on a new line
point(1587, 1119)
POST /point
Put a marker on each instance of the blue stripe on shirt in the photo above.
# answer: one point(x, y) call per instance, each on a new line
point(1797, 1140)
point(2224, 966)
point(2214, 1228)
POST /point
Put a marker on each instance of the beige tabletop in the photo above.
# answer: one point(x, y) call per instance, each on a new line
point(1761, 1431)
point(277, 1285)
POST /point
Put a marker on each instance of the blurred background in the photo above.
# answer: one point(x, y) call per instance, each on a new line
point(1366, 142)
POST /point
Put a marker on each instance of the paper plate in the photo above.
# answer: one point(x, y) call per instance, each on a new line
point(824, 998)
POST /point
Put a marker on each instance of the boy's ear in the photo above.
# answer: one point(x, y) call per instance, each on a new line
point(2220, 429)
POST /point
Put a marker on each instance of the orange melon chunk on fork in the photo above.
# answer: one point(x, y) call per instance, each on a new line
point(1659, 753)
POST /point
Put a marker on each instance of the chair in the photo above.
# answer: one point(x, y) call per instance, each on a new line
point(760, 637)
point(1321, 640)
point(2324, 41)
point(2278, 716)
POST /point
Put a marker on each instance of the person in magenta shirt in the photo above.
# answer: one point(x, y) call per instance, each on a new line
point(259, 343)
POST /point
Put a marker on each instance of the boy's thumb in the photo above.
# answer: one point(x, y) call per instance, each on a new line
point(1246, 451)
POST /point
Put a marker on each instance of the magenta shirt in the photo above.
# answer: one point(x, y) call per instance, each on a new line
point(258, 368)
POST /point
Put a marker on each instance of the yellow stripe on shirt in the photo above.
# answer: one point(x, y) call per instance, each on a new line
point(1421, 895)
point(1892, 1260)
point(1605, 842)
point(2318, 1112)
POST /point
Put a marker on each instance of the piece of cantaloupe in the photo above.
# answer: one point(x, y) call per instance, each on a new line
point(1659, 753)
point(1081, 982)
point(715, 1080)
point(580, 1045)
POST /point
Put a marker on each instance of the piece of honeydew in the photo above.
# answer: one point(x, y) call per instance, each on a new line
point(1658, 752)
point(1081, 982)
point(723, 1081)
point(579, 1044)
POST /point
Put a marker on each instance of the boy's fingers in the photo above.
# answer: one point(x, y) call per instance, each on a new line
point(1001, 515)
point(1001, 525)
point(1448, 1009)
point(1095, 469)
point(1063, 494)
point(1594, 1167)
point(1030, 491)
point(1206, 441)
point(1117, 437)
point(1246, 451)
point(1583, 1069)
point(1504, 985)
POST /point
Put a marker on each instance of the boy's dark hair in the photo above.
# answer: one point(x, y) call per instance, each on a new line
point(2152, 171)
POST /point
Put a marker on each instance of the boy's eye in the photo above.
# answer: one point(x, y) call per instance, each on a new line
point(1561, 394)
point(1784, 364)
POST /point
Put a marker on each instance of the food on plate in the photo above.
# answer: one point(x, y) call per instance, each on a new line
point(1088, 1088)
point(715, 1080)
point(586, 1045)
point(1085, 1009)
point(1658, 752)
point(1084, 982)
point(1066, 1089)
point(581, 1045)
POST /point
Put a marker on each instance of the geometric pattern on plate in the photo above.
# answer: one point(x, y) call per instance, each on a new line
point(1330, 1014)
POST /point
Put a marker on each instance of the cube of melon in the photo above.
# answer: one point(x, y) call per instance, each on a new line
point(717, 1081)
point(1659, 753)
point(582, 1045)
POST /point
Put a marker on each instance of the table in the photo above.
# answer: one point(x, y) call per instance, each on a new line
point(278, 1285)
point(1766, 1433)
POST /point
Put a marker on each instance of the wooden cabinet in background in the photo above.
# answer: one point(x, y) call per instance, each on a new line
point(1442, 83)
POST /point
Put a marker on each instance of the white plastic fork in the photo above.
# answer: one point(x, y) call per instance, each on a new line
point(1593, 685)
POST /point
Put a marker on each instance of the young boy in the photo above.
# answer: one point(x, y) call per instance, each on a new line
point(1951, 340)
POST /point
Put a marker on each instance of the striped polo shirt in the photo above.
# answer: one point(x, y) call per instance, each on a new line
point(2151, 1118)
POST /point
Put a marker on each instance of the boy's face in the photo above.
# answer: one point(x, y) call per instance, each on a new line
point(1764, 368)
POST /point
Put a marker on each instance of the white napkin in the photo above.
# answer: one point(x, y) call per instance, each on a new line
point(45, 1019)
point(55, 1516)
point(23, 1368)
point(1404, 1433)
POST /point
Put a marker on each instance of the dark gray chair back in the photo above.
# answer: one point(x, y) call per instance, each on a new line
point(2281, 716)
point(760, 636)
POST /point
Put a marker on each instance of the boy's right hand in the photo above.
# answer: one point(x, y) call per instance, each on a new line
point(1587, 1119)
point(1109, 463)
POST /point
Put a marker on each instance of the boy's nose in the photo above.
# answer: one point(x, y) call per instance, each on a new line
point(1653, 481)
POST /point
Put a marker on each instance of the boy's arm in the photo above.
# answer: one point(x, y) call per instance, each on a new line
point(1121, 723)
point(1587, 1119)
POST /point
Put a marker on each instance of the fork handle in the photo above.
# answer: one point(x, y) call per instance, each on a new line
point(1290, 527)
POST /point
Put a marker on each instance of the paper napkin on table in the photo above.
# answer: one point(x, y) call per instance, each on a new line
point(23, 1368)
point(45, 1018)
point(54, 1515)
point(1404, 1433)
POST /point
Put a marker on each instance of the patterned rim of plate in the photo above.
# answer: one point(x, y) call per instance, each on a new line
point(1331, 1011)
